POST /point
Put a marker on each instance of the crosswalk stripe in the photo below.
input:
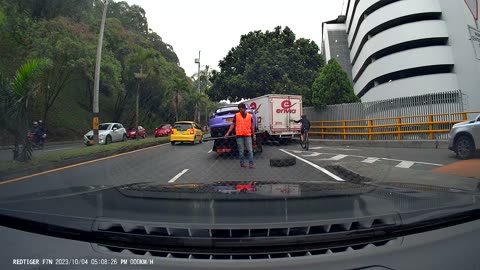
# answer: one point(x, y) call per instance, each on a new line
point(405, 164)
point(370, 160)
point(312, 155)
point(337, 157)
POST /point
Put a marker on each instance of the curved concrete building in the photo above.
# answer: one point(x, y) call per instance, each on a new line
point(398, 48)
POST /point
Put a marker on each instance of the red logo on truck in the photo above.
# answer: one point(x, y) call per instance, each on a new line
point(253, 106)
point(287, 107)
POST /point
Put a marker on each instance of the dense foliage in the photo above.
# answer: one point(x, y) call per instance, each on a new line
point(332, 86)
point(268, 62)
point(66, 33)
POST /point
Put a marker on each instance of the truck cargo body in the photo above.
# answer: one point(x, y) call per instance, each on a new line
point(275, 114)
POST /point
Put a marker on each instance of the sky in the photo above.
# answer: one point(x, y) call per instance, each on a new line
point(214, 27)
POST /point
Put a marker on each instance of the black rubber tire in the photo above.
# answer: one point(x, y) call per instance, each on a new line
point(108, 140)
point(125, 138)
point(201, 139)
point(467, 148)
point(173, 143)
point(283, 162)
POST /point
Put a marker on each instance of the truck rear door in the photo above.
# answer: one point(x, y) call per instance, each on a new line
point(285, 109)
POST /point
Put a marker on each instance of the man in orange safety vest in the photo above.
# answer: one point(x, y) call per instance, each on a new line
point(244, 129)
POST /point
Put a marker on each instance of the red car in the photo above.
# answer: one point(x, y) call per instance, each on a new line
point(132, 132)
point(163, 130)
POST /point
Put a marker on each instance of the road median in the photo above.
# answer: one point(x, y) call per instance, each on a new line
point(62, 158)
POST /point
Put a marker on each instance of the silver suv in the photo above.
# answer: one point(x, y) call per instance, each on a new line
point(464, 138)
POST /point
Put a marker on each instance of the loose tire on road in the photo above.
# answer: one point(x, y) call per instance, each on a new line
point(464, 147)
point(283, 162)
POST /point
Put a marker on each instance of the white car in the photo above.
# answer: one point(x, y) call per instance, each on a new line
point(107, 133)
point(464, 138)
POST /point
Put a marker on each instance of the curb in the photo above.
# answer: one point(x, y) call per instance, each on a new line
point(7, 175)
point(433, 144)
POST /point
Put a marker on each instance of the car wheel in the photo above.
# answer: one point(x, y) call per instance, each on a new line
point(464, 147)
point(108, 140)
point(124, 139)
point(145, 135)
point(173, 143)
point(201, 139)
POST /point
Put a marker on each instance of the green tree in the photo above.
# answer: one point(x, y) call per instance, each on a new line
point(267, 62)
point(332, 86)
point(66, 43)
point(178, 87)
point(16, 100)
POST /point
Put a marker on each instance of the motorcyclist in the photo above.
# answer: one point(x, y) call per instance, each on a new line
point(38, 132)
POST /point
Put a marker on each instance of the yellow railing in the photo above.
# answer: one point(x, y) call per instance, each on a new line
point(424, 124)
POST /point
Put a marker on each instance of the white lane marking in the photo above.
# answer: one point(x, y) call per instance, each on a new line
point(57, 149)
point(209, 151)
point(337, 157)
point(325, 171)
point(333, 148)
point(405, 164)
point(370, 160)
point(312, 155)
point(177, 176)
point(418, 162)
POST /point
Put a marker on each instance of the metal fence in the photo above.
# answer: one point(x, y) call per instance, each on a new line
point(407, 118)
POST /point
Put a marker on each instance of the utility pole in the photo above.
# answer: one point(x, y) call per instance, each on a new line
point(139, 76)
point(197, 114)
point(97, 76)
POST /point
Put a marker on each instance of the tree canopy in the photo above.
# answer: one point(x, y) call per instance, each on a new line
point(66, 33)
point(267, 62)
point(332, 86)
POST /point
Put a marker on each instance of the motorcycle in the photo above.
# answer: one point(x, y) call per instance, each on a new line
point(37, 144)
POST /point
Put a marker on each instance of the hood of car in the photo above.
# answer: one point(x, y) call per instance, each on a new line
point(235, 202)
point(100, 132)
point(463, 123)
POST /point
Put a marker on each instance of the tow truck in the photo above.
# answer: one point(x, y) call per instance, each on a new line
point(220, 122)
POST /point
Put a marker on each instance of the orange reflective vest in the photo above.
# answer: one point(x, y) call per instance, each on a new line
point(243, 126)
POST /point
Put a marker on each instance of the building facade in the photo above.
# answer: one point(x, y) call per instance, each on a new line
point(400, 48)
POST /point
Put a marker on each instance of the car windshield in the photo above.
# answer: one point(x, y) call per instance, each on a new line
point(182, 126)
point(227, 110)
point(360, 123)
point(104, 127)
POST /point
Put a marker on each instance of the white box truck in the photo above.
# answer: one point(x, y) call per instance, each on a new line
point(275, 113)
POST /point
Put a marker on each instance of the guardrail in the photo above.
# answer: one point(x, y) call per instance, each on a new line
point(429, 126)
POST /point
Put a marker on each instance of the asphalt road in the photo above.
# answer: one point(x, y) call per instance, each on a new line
point(186, 163)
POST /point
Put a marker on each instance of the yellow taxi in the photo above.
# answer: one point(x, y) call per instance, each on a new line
point(186, 131)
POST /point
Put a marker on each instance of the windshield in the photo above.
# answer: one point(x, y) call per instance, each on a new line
point(227, 110)
point(182, 127)
point(104, 127)
point(389, 91)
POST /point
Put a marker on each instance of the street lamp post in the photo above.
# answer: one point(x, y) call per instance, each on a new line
point(139, 76)
point(197, 114)
point(97, 76)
